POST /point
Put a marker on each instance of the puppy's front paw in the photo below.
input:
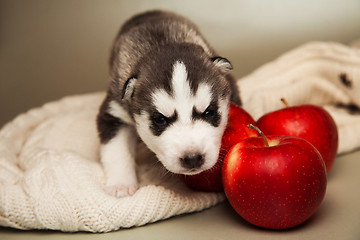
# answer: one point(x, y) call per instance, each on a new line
point(121, 190)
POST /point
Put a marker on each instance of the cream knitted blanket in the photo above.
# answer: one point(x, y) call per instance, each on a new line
point(325, 74)
point(50, 176)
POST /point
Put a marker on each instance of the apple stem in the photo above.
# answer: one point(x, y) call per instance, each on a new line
point(251, 126)
point(285, 102)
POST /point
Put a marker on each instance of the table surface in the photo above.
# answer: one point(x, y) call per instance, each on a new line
point(337, 218)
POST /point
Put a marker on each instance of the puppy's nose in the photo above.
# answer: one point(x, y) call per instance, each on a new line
point(192, 161)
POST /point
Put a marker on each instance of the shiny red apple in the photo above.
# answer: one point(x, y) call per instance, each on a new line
point(236, 130)
point(278, 186)
point(313, 123)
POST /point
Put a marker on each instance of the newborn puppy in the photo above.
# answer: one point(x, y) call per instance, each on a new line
point(170, 88)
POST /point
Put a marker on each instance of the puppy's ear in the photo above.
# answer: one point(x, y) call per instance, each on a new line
point(129, 87)
point(222, 63)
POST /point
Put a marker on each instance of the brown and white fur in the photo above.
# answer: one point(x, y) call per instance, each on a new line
point(170, 88)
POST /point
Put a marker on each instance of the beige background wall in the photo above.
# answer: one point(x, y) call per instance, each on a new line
point(52, 48)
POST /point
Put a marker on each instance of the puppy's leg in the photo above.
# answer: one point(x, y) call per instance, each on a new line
point(118, 159)
point(118, 143)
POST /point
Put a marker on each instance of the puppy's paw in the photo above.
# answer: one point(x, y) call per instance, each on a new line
point(121, 190)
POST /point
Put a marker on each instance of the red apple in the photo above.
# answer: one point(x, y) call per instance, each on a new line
point(277, 186)
point(310, 122)
point(236, 130)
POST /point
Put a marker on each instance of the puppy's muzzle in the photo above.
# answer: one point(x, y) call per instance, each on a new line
point(192, 161)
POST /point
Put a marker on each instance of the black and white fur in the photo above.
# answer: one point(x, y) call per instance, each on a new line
point(170, 88)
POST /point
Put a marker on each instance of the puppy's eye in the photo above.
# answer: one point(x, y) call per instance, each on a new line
point(160, 120)
point(208, 113)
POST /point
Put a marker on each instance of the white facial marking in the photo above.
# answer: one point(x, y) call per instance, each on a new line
point(202, 97)
point(164, 103)
point(116, 110)
point(182, 100)
point(179, 79)
point(184, 136)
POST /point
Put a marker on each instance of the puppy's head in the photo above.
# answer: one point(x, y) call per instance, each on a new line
point(179, 99)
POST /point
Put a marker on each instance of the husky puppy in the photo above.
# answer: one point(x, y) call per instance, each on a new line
point(170, 88)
